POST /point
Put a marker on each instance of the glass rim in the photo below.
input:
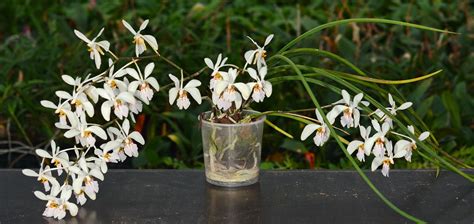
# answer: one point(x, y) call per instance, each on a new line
point(258, 121)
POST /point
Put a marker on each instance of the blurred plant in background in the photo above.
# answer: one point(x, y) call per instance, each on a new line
point(38, 45)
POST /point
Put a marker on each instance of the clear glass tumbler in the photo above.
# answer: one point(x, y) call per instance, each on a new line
point(232, 151)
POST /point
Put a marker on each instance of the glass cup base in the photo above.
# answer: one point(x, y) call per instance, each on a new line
point(233, 184)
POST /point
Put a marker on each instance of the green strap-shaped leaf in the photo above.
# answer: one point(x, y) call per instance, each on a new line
point(356, 20)
point(274, 126)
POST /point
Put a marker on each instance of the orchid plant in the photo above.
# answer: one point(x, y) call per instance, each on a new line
point(230, 98)
point(232, 89)
point(385, 145)
point(120, 93)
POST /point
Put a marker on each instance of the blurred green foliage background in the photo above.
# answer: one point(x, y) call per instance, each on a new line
point(38, 45)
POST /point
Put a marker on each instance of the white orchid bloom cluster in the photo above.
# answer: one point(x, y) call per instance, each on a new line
point(227, 94)
point(378, 144)
point(225, 91)
point(120, 92)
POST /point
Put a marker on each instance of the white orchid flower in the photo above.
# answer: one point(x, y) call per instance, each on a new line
point(121, 153)
point(261, 88)
point(84, 181)
point(140, 39)
point(95, 48)
point(89, 189)
point(258, 55)
point(226, 92)
point(83, 86)
point(350, 109)
point(181, 92)
point(386, 160)
point(61, 109)
point(86, 138)
point(107, 153)
point(119, 102)
point(135, 108)
point(216, 73)
point(219, 101)
point(130, 147)
point(143, 83)
point(116, 143)
point(322, 131)
point(392, 109)
point(82, 132)
point(81, 197)
point(126, 139)
point(57, 207)
point(360, 145)
point(378, 140)
point(79, 100)
point(58, 158)
point(404, 148)
point(112, 81)
point(44, 176)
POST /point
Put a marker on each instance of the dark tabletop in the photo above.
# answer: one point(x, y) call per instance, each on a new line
point(172, 196)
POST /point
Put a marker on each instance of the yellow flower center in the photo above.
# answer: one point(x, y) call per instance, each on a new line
point(98, 48)
point(321, 130)
point(138, 41)
point(347, 112)
point(112, 84)
point(53, 204)
point(86, 134)
point(379, 141)
point(88, 180)
point(107, 156)
point(183, 94)
point(143, 86)
point(77, 102)
point(56, 162)
point(218, 76)
point(257, 87)
point(43, 180)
